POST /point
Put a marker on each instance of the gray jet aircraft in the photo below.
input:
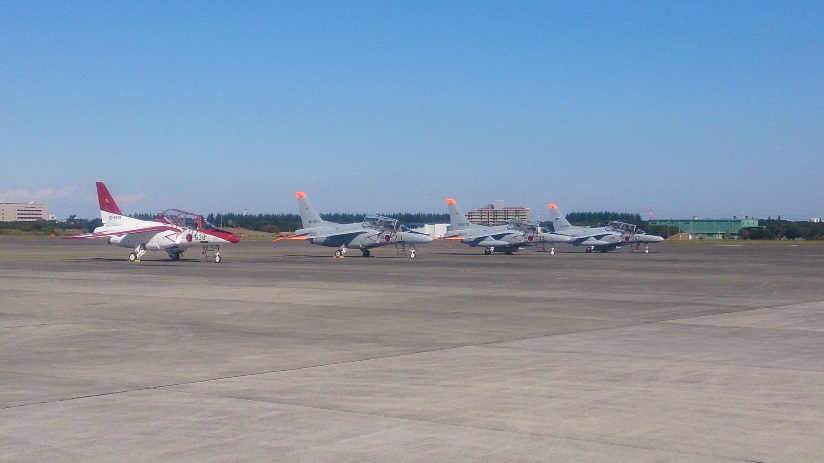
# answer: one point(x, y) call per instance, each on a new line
point(373, 232)
point(500, 238)
point(603, 239)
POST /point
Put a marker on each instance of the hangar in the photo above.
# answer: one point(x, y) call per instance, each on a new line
point(713, 229)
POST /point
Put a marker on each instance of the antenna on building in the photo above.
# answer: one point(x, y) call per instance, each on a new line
point(244, 211)
point(651, 214)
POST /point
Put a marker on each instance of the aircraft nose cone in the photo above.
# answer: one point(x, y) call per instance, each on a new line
point(232, 238)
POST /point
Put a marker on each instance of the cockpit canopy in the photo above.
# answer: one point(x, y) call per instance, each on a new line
point(621, 227)
point(523, 225)
point(382, 223)
point(185, 219)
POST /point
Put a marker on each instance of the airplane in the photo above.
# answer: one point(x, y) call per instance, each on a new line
point(373, 232)
point(594, 239)
point(507, 238)
point(174, 231)
point(614, 235)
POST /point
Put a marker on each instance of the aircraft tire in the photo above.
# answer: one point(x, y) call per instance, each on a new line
point(132, 257)
point(338, 254)
point(412, 254)
point(365, 252)
point(217, 258)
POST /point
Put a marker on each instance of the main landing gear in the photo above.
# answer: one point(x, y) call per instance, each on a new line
point(138, 253)
point(365, 252)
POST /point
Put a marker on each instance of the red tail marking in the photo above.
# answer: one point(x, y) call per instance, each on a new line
point(106, 200)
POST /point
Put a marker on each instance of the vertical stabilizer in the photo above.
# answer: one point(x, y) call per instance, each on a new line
point(457, 221)
point(308, 215)
point(108, 207)
point(559, 222)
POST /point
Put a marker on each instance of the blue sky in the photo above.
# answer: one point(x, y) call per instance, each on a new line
point(711, 109)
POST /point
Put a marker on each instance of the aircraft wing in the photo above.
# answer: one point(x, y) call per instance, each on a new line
point(486, 239)
point(114, 232)
point(329, 237)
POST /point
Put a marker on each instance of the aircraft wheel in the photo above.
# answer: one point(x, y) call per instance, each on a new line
point(646, 251)
point(552, 252)
point(132, 257)
point(175, 256)
point(365, 252)
point(487, 252)
point(338, 254)
point(217, 258)
point(412, 254)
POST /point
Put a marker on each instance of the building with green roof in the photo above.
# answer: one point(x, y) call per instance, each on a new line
point(713, 229)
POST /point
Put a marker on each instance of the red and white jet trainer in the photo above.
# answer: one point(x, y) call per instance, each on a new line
point(174, 231)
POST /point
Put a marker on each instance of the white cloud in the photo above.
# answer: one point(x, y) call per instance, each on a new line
point(129, 198)
point(21, 195)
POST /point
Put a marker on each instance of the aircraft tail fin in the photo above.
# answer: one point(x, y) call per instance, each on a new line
point(559, 221)
point(108, 207)
point(308, 215)
point(457, 220)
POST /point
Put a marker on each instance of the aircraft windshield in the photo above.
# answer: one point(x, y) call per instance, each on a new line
point(622, 227)
point(185, 219)
point(381, 223)
point(523, 225)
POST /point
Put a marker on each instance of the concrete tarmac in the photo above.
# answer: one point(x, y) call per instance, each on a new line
point(282, 353)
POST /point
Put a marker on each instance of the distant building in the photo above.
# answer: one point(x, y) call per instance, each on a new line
point(697, 228)
point(436, 230)
point(23, 212)
point(497, 214)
